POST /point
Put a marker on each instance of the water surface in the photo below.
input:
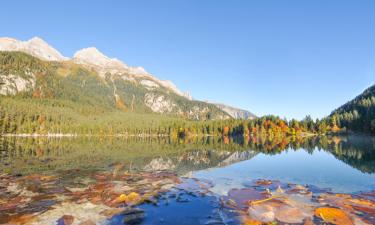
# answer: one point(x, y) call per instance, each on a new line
point(339, 164)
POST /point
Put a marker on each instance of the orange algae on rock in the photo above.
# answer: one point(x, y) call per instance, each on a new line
point(333, 215)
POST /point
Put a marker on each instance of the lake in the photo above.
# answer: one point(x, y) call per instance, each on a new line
point(44, 180)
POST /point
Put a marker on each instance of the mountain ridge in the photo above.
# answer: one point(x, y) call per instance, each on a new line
point(92, 59)
point(23, 76)
point(234, 112)
point(35, 46)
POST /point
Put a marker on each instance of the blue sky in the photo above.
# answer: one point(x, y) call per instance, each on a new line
point(289, 58)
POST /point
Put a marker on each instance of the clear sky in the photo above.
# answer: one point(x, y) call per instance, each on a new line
point(288, 58)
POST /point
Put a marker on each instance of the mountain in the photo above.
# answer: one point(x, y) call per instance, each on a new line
point(92, 58)
point(358, 114)
point(34, 70)
point(235, 112)
point(35, 47)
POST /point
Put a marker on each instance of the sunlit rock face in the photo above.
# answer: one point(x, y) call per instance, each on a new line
point(159, 103)
point(13, 84)
point(35, 47)
point(149, 85)
point(93, 58)
point(235, 112)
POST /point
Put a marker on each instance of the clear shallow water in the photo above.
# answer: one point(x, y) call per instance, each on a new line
point(344, 164)
point(319, 168)
point(186, 209)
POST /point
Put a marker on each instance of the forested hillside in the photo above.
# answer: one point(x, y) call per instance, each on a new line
point(38, 96)
point(24, 76)
point(358, 115)
point(63, 97)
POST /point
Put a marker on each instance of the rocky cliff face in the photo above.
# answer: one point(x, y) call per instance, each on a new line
point(235, 112)
point(13, 84)
point(93, 58)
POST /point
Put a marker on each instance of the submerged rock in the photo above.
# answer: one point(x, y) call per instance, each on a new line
point(65, 220)
point(79, 213)
point(133, 216)
point(296, 204)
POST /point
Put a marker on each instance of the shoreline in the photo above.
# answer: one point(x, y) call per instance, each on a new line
point(58, 135)
point(81, 135)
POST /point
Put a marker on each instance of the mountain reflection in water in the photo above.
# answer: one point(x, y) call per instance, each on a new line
point(27, 155)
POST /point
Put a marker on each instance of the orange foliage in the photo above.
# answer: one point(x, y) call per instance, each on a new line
point(41, 119)
point(226, 131)
point(37, 94)
point(335, 128)
point(120, 104)
point(226, 140)
point(283, 143)
point(39, 152)
point(283, 126)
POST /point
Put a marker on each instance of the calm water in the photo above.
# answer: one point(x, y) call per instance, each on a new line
point(341, 164)
point(344, 164)
point(319, 168)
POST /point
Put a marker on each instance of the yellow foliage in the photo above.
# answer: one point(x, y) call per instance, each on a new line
point(121, 198)
point(132, 198)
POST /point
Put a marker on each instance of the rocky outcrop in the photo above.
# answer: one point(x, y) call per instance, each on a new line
point(159, 103)
point(149, 85)
point(35, 47)
point(94, 59)
point(235, 112)
point(12, 84)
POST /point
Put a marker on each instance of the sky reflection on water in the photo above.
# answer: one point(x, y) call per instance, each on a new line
point(320, 168)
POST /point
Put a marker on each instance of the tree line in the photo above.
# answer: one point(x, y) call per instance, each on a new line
point(36, 116)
